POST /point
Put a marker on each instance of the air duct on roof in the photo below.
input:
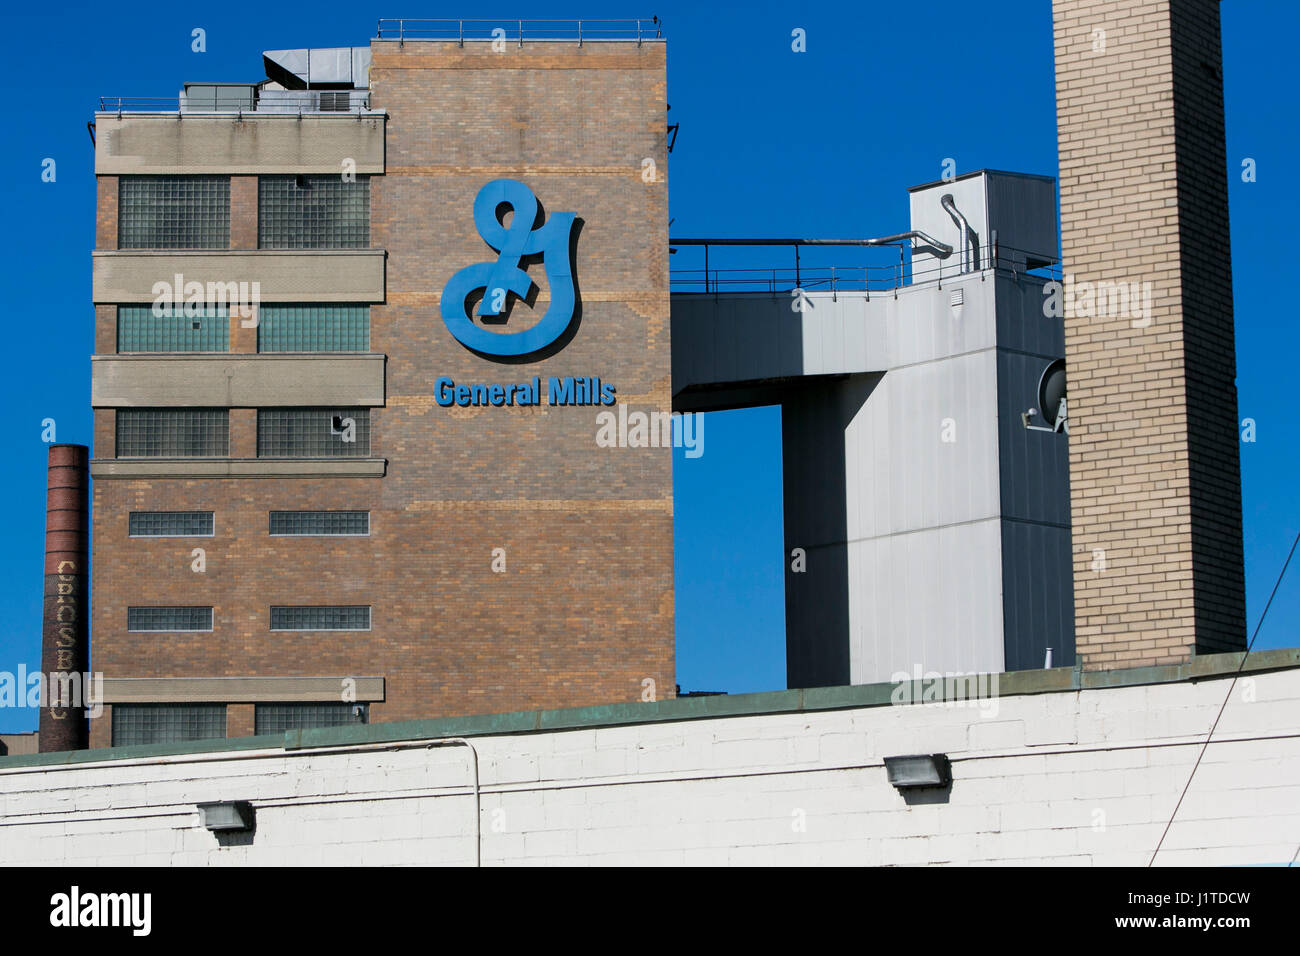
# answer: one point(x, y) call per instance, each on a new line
point(338, 68)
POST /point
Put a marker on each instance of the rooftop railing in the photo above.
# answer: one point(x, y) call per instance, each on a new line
point(517, 31)
point(892, 276)
point(255, 102)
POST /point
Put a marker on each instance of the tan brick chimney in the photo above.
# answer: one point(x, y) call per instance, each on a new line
point(1155, 478)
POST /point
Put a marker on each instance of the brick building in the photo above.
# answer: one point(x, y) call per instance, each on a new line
point(289, 528)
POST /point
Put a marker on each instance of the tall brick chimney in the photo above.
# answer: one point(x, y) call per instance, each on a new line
point(64, 624)
point(1155, 478)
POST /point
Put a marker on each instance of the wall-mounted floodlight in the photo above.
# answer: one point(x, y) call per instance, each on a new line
point(227, 816)
point(919, 770)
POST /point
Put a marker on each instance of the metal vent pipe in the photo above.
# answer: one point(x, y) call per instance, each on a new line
point(963, 226)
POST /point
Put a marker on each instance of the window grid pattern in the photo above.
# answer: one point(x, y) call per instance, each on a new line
point(171, 524)
point(277, 718)
point(167, 723)
point(313, 212)
point(205, 329)
point(173, 432)
point(173, 212)
point(169, 619)
point(321, 618)
point(320, 522)
point(313, 432)
point(313, 328)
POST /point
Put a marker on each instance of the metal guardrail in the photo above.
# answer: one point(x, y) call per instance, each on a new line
point(139, 104)
point(640, 29)
point(273, 103)
point(888, 277)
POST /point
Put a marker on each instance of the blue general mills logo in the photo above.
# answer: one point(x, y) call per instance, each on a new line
point(498, 279)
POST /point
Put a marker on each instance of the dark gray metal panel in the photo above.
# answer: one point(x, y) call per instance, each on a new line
point(1022, 210)
point(1037, 565)
point(1037, 561)
point(1037, 595)
point(813, 419)
point(1034, 465)
point(1021, 324)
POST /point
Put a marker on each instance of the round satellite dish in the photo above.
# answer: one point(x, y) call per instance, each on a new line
point(1051, 389)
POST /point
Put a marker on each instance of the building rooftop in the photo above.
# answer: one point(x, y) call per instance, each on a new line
point(807, 700)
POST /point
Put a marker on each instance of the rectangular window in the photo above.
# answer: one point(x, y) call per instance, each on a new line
point(173, 212)
point(320, 523)
point(171, 524)
point(313, 212)
point(313, 328)
point(277, 718)
point(173, 432)
point(168, 619)
point(321, 618)
point(167, 723)
point(313, 432)
point(139, 330)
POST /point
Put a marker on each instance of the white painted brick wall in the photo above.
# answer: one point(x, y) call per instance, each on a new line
point(1066, 778)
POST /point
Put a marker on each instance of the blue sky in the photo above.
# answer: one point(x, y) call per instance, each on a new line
point(821, 143)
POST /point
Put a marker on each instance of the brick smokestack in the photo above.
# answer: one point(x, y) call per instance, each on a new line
point(64, 624)
point(1155, 478)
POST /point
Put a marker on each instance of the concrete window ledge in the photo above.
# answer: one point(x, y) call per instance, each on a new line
point(123, 276)
point(233, 380)
point(238, 467)
point(250, 143)
point(238, 690)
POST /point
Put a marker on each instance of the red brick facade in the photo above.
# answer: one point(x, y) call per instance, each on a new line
point(583, 613)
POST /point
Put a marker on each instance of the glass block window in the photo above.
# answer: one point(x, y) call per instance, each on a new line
point(173, 432)
point(169, 619)
point(313, 212)
point(173, 212)
point(171, 524)
point(139, 330)
point(321, 618)
point(277, 718)
point(320, 522)
point(167, 723)
point(313, 432)
point(313, 328)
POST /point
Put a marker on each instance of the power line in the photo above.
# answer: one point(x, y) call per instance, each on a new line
point(1205, 746)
